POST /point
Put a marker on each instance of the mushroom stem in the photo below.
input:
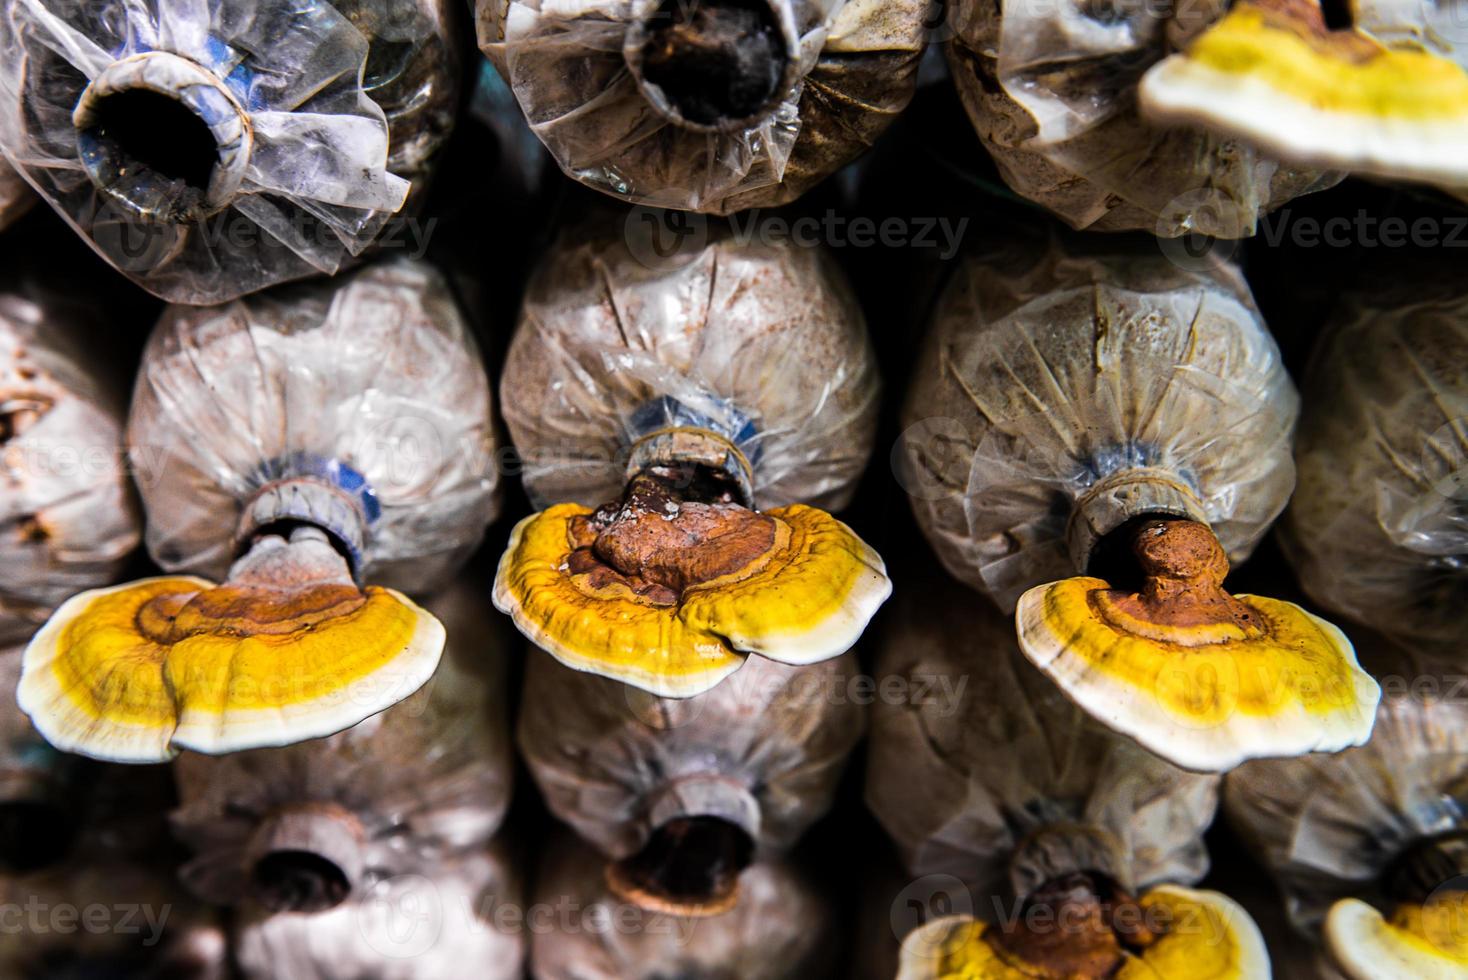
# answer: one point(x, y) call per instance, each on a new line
point(305, 858)
point(690, 866)
point(1079, 925)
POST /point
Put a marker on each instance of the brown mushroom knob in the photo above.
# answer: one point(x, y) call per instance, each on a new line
point(1069, 928)
point(689, 867)
point(1203, 678)
point(1280, 75)
point(670, 587)
point(289, 648)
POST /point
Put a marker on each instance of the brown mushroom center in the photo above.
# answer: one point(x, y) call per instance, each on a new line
point(715, 60)
point(660, 540)
point(689, 866)
point(1183, 567)
point(1078, 925)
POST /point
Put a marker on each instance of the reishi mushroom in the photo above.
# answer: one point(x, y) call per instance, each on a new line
point(715, 107)
point(681, 418)
point(781, 927)
point(300, 445)
point(68, 518)
point(1378, 528)
point(1370, 845)
point(385, 827)
point(210, 150)
point(1384, 94)
point(1120, 418)
point(682, 796)
point(1064, 849)
point(1052, 90)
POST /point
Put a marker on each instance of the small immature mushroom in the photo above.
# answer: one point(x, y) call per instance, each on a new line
point(1280, 75)
point(682, 796)
point(1370, 845)
point(203, 157)
point(1115, 415)
point(1378, 528)
point(781, 928)
point(714, 107)
point(68, 519)
point(703, 399)
point(1203, 678)
point(1052, 90)
point(298, 445)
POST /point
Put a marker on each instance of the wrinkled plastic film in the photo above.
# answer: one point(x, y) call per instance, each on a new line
point(986, 752)
point(1046, 383)
point(852, 68)
point(1378, 527)
point(371, 385)
point(295, 98)
point(763, 346)
point(1051, 89)
point(763, 750)
point(1328, 826)
point(68, 519)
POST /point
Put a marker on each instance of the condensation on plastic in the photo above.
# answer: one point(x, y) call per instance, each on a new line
point(961, 776)
point(1327, 826)
point(1046, 383)
point(1052, 90)
point(853, 69)
point(763, 750)
point(340, 105)
point(441, 920)
point(781, 927)
point(68, 520)
point(373, 378)
point(16, 196)
point(761, 344)
point(1378, 526)
point(427, 779)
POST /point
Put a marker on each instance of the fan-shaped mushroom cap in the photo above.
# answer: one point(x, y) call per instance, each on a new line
point(1202, 678)
point(1210, 937)
point(676, 609)
point(289, 649)
point(1418, 942)
point(1273, 74)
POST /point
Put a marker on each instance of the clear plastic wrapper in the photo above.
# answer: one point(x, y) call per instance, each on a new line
point(446, 919)
point(1378, 527)
point(371, 385)
point(1060, 395)
point(985, 761)
point(629, 103)
point(1052, 90)
point(207, 150)
point(781, 929)
point(68, 519)
point(765, 346)
point(309, 826)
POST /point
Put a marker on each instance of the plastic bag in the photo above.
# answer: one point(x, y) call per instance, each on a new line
point(16, 197)
point(68, 519)
point(982, 752)
point(1378, 528)
point(1052, 91)
point(1329, 826)
point(371, 384)
point(428, 779)
point(1059, 396)
point(842, 70)
point(207, 150)
point(763, 751)
point(782, 927)
point(764, 345)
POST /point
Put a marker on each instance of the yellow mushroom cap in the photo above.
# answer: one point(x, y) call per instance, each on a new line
point(138, 672)
point(1275, 76)
point(1418, 942)
point(1204, 697)
point(807, 597)
point(1204, 936)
